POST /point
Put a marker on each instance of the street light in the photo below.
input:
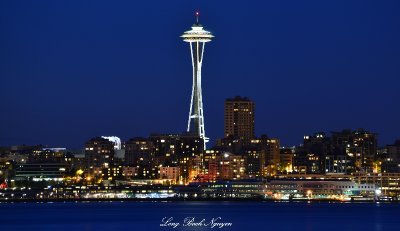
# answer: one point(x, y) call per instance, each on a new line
point(309, 194)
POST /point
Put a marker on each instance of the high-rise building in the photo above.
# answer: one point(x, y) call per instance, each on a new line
point(184, 151)
point(222, 165)
point(231, 167)
point(390, 159)
point(343, 152)
point(150, 154)
point(315, 150)
point(239, 118)
point(116, 140)
point(231, 144)
point(255, 162)
point(359, 147)
point(99, 153)
point(197, 38)
point(286, 159)
point(139, 151)
point(271, 148)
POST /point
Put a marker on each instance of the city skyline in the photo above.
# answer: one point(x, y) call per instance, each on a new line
point(66, 79)
point(293, 120)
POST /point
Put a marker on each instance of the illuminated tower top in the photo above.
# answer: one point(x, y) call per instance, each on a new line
point(197, 33)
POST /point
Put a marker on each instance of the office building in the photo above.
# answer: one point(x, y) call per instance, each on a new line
point(239, 118)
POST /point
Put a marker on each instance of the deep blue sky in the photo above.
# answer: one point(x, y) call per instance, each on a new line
point(71, 70)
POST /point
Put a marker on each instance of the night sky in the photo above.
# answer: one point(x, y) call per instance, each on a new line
point(72, 70)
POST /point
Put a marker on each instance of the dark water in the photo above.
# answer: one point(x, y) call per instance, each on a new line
point(242, 215)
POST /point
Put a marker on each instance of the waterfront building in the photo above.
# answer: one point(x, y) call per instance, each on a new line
point(50, 155)
point(114, 172)
point(222, 189)
point(19, 154)
point(387, 183)
point(41, 171)
point(129, 172)
point(169, 173)
point(318, 189)
point(39, 163)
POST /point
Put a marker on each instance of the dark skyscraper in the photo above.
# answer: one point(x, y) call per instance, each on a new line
point(359, 147)
point(139, 151)
point(239, 118)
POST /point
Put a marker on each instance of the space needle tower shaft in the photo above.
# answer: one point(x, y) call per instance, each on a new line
point(197, 37)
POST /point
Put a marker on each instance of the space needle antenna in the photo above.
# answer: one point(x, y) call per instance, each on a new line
point(197, 16)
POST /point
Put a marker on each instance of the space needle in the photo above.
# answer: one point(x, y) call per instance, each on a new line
point(197, 37)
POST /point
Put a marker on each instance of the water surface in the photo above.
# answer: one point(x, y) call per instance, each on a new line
point(243, 216)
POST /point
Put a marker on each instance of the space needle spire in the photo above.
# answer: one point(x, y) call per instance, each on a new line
point(197, 37)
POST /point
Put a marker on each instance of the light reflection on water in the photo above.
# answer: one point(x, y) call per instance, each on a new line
point(243, 215)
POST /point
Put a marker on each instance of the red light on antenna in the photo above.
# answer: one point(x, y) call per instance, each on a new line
point(197, 16)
